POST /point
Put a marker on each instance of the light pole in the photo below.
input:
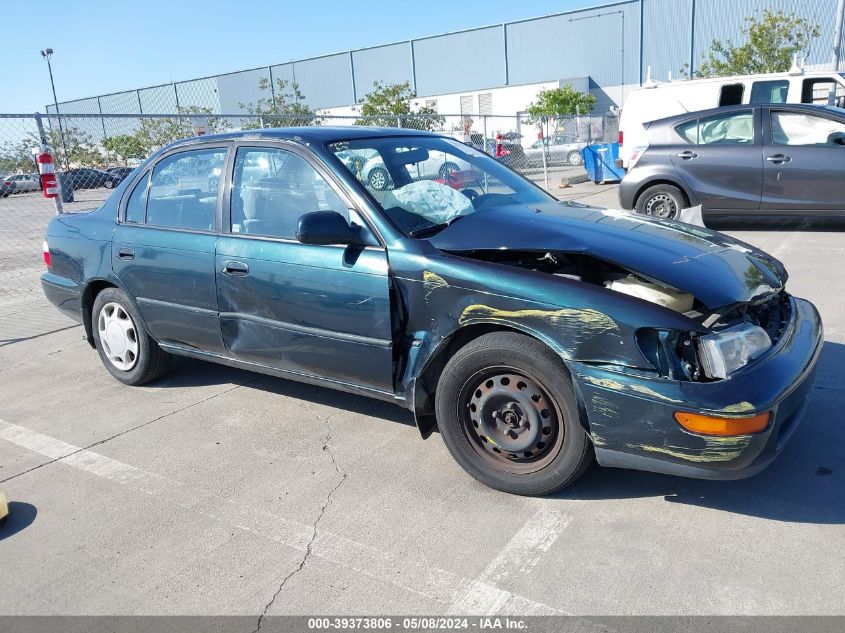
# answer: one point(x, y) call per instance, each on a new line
point(47, 54)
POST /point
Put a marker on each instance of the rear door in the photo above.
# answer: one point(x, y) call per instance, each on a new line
point(312, 310)
point(720, 159)
point(804, 164)
point(163, 247)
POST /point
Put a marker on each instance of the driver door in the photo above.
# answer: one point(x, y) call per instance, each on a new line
point(804, 162)
point(312, 310)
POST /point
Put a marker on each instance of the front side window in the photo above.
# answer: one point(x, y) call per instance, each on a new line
point(769, 91)
point(183, 189)
point(722, 129)
point(818, 91)
point(423, 183)
point(797, 128)
point(273, 188)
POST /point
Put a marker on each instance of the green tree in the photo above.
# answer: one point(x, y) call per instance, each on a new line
point(389, 104)
point(154, 133)
point(772, 38)
point(81, 149)
point(17, 157)
point(284, 106)
point(125, 146)
point(560, 101)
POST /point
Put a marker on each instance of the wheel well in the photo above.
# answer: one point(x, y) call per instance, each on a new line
point(88, 296)
point(664, 181)
point(425, 384)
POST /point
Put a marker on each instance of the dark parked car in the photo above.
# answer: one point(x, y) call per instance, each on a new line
point(19, 183)
point(768, 160)
point(88, 178)
point(120, 172)
point(533, 334)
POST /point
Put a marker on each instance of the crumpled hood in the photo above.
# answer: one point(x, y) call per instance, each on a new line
point(713, 267)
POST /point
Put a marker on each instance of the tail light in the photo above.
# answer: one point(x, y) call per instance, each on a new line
point(636, 154)
point(7, 183)
point(621, 137)
point(46, 253)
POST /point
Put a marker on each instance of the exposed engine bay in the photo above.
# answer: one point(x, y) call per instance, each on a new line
point(750, 327)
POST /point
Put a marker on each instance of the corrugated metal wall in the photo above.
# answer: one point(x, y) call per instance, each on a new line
point(603, 43)
point(389, 64)
point(469, 60)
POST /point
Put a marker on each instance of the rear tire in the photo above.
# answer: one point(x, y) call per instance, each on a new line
point(509, 416)
point(574, 159)
point(128, 352)
point(661, 201)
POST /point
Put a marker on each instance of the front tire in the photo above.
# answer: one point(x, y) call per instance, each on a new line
point(127, 351)
point(661, 201)
point(509, 416)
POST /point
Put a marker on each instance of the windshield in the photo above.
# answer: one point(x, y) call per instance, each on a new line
point(425, 183)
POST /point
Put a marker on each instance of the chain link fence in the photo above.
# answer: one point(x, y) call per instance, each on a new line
point(94, 152)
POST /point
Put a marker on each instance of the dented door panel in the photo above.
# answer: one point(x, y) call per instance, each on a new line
point(319, 310)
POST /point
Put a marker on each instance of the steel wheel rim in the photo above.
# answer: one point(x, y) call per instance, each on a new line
point(510, 421)
point(109, 184)
point(378, 179)
point(662, 205)
point(575, 159)
point(118, 336)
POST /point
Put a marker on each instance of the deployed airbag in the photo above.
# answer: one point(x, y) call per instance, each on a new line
point(436, 202)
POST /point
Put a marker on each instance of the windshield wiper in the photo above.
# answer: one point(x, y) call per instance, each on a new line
point(432, 229)
point(427, 231)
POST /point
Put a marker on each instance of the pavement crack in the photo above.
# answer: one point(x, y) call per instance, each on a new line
point(130, 430)
point(314, 526)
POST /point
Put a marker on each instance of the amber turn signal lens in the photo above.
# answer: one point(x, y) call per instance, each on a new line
point(710, 425)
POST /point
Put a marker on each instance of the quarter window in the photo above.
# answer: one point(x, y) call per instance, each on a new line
point(796, 128)
point(273, 188)
point(722, 129)
point(136, 206)
point(731, 94)
point(183, 189)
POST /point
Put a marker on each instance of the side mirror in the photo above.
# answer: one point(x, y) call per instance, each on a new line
point(327, 227)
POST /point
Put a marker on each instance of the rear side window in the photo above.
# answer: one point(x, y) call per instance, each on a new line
point(731, 94)
point(723, 129)
point(136, 207)
point(183, 189)
point(769, 91)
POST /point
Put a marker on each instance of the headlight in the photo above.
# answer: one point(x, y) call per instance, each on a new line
point(723, 353)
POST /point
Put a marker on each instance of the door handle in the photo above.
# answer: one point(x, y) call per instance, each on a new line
point(687, 155)
point(777, 159)
point(126, 253)
point(235, 269)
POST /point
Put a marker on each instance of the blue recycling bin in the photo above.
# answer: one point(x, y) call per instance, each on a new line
point(600, 162)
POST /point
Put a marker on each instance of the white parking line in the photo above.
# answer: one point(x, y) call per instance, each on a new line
point(521, 554)
point(410, 573)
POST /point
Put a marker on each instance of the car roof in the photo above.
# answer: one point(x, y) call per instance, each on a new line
point(311, 134)
point(700, 114)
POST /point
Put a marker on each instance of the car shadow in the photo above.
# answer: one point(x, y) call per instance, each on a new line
point(188, 372)
point(805, 484)
point(795, 223)
point(21, 516)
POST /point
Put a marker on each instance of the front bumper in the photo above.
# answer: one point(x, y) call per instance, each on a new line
point(631, 417)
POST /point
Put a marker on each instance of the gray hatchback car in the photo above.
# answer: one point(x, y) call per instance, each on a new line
point(769, 160)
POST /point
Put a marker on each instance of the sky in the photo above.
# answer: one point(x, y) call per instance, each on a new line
point(107, 46)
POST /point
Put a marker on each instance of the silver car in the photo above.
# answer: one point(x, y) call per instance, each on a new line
point(561, 149)
point(772, 160)
point(19, 183)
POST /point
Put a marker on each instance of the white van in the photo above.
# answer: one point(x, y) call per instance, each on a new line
point(659, 100)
